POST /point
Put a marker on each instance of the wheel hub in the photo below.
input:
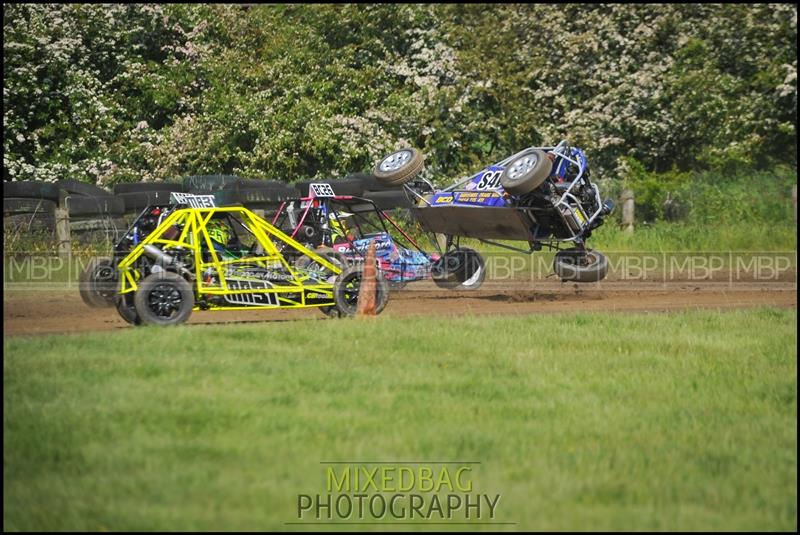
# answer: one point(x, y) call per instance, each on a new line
point(395, 161)
point(522, 166)
point(164, 300)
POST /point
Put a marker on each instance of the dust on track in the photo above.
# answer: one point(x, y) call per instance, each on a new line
point(48, 312)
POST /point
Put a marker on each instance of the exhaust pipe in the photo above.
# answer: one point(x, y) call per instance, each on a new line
point(161, 258)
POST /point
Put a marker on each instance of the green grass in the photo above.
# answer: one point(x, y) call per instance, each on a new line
point(665, 236)
point(681, 421)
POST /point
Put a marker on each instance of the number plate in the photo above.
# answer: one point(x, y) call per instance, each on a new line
point(320, 190)
point(195, 201)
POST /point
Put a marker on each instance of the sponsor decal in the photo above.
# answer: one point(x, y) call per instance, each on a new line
point(251, 299)
point(194, 201)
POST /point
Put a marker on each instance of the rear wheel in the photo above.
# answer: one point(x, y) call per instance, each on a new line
point(526, 172)
point(164, 298)
point(347, 286)
point(461, 269)
point(576, 265)
point(98, 283)
point(399, 167)
point(127, 309)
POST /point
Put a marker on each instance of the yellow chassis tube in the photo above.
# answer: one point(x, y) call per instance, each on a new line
point(193, 238)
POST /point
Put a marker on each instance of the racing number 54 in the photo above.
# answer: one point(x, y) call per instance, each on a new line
point(490, 180)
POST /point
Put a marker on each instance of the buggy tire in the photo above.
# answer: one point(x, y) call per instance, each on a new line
point(127, 310)
point(399, 167)
point(571, 265)
point(347, 284)
point(98, 283)
point(526, 172)
point(467, 274)
point(164, 298)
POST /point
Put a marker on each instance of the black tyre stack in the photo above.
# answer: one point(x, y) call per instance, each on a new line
point(95, 213)
point(259, 195)
point(136, 196)
point(29, 207)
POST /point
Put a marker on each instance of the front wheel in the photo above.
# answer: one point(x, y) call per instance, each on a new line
point(580, 265)
point(526, 172)
point(461, 269)
point(346, 289)
point(164, 298)
point(399, 167)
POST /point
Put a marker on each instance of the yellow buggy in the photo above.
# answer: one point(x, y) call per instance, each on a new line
point(193, 255)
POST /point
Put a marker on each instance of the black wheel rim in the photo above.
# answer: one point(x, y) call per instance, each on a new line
point(165, 300)
point(352, 284)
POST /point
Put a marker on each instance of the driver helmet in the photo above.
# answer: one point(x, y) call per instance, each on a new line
point(337, 224)
point(218, 231)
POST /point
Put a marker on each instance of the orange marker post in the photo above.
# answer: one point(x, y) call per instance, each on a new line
point(368, 288)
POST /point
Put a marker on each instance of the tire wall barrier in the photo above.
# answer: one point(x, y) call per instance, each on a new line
point(91, 211)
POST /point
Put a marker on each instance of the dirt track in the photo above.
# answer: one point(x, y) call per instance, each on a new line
point(40, 312)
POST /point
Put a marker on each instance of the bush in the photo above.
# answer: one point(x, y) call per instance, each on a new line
point(154, 92)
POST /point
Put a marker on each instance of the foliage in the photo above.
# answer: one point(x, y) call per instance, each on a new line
point(711, 197)
point(151, 92)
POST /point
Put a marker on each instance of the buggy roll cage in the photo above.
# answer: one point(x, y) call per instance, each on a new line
point(359, 207)
point(562, 206)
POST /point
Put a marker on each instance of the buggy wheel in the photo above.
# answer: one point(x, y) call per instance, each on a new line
point(98, 283)
point(399, 167)
point(347, 286)
point(576, 265)
point(461, 269)
point(331, 311)
point(164, 298)
point(526, 172)
point(127, 309)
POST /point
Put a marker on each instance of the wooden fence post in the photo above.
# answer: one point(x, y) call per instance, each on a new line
point(62, 232)
point(627, 210)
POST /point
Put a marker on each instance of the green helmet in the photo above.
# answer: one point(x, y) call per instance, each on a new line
point(218, 231)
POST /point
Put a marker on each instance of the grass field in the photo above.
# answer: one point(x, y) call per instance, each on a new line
point(680, 421)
